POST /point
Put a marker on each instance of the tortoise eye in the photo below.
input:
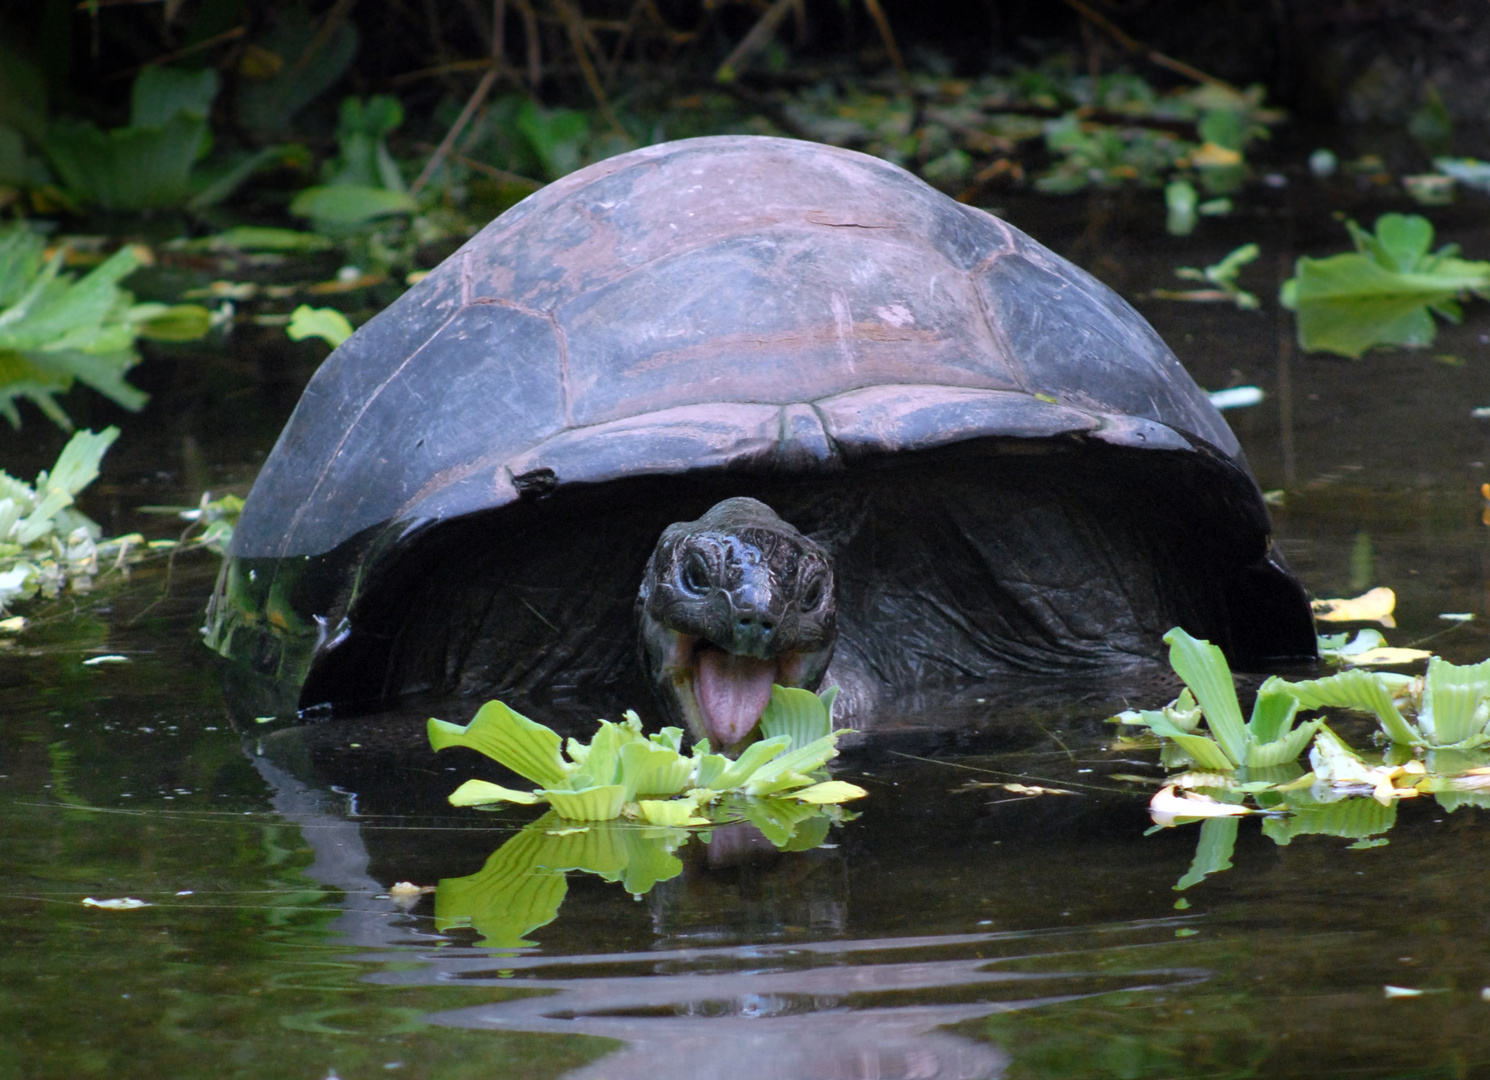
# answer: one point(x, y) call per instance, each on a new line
point(812, 595)
point(695, 576)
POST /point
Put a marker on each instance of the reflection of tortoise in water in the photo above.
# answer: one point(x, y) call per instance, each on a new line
point(1001, 467)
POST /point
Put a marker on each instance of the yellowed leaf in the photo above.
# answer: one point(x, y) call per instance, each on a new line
point(1211, 154)
point(1386, 655)
point(1030, 789)
point(1168, 804)
point(1376, 605)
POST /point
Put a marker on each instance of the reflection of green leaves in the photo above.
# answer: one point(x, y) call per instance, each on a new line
point(612, 775)
point(1383, 293)
point(522, 885)
point(1213, 851)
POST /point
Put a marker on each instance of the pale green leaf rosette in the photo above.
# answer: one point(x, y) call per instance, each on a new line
point(612, 775)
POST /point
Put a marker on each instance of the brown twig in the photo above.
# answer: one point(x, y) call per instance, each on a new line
point(205, 43)
point(760, 34)
point(487, 170)
point(580, 40)
point(535, 47)
point(473, 103)
point(877, 13)
point(1154, 56)
point(329, 26)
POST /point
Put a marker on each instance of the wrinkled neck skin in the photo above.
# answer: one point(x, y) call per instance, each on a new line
point(730, 604)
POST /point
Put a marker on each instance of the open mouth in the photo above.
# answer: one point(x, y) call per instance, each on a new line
point(723, 694)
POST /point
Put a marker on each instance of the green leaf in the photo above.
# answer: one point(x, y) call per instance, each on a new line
point(600, 803)
point(328, 324)
point(76, 468)
point(829, 791)
point(1204, 669)
point(128, 168)
point(557, 136)
point(1283, 750)
point(176, 322)
point(1356, 689)
point(527, 748)
point(345, 206)
point(800, 715)
point(1272, 713)
point(1454, 707)
point(482, 792)
point(674, 813)
point(160, 93)
point(648, 769)
point(258, 238)
point(741, 769)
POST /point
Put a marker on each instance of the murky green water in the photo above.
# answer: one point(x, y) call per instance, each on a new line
point(956, 929)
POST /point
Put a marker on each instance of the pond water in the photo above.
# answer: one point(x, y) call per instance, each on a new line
point(954, 929)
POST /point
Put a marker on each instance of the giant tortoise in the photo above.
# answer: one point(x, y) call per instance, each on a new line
point(986, 465)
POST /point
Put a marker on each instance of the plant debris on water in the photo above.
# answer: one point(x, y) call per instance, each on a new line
point(622, 772)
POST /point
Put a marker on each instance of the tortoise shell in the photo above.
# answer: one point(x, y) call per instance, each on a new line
point(734, 306)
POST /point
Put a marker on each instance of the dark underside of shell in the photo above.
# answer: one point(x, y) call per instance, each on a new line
point(969, 568)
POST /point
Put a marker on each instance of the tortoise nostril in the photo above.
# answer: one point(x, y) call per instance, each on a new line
point(759, 621)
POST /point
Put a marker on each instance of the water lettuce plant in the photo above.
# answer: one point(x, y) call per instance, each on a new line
point(1383, 293)
point(1267, 738)
point(46, 545)
point(616, 772)
point(55, 330)
point(1447, 708)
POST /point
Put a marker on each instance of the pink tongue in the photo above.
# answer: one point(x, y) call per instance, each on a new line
point(732, 693)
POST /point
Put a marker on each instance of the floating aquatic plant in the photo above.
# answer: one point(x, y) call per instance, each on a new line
point(1383, 293)
point(623, 772)
point(1267, 738)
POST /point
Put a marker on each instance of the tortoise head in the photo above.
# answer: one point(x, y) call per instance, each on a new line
point(730, 604)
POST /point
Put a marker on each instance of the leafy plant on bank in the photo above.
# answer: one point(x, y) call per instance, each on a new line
point(612, 776)
point(153, 161)
point(55, 330)
point(1386, 292)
